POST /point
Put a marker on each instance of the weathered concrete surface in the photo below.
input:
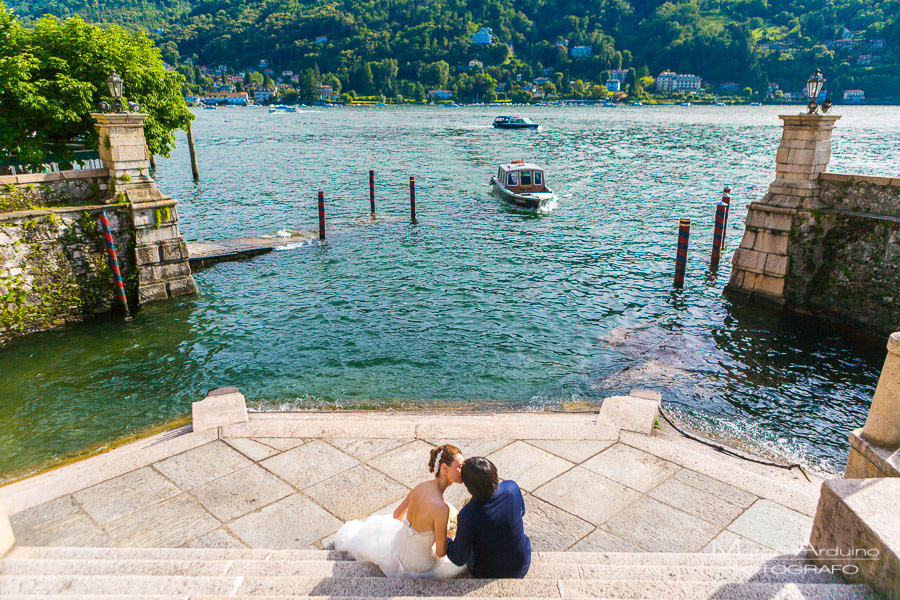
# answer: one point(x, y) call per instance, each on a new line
point(288, 480)
point(630, 412)
point(207, 253)
point(219, 409)
point(857, 529)
point(883, 423)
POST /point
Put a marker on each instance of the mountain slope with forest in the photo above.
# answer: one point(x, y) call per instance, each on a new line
point(389, 45)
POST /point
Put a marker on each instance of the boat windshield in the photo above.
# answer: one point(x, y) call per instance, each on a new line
point(526, 177)
point(538, 178)
point(512, 178)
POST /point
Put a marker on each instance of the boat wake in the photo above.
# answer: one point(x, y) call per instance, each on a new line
point(549, 207)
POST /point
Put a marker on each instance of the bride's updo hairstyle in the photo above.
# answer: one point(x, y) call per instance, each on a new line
point(442, 455)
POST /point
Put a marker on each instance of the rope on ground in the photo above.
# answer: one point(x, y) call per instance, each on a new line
point(729, 451)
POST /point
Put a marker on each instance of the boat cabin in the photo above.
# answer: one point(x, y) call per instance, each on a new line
point(513, 121)
point(520, 177)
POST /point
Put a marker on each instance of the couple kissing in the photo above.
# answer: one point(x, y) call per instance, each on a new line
point(427, 538)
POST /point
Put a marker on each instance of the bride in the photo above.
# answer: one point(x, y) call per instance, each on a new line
point(413, 542)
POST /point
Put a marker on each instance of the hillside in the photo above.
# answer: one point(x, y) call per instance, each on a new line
point(388, 46)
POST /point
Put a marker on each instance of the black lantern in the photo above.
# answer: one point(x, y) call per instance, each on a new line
point(114, 82)
point(814, 86)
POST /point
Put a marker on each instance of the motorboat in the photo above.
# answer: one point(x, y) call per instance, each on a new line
point(522, 184)
point(514, 122)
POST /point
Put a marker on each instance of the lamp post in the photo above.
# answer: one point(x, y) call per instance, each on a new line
point(813, 88)
point(114, 83)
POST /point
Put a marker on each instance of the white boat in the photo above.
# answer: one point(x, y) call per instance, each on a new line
point(522, 184)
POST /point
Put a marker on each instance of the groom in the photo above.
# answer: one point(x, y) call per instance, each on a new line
point(490, 536)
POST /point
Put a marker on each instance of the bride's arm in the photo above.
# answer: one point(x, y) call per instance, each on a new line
point(400, 511)
point(440, 530)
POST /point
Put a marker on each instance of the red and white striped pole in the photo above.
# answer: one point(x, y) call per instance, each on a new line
point(726, 200)
point(321, 215)
point(114, 262)
point(412, 197)
point(718, 233)
point(684, 232)
point(372, 190)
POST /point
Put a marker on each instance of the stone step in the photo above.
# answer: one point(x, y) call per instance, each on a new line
point(225, 554)
point(761, 572)
point(371, 588)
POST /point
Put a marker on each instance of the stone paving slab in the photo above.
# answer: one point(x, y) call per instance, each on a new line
point(598, 493)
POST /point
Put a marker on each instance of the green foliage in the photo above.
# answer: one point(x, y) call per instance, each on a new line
point(52, 76)
point(383, 47)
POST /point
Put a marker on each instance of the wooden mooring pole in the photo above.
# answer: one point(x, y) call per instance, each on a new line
point(718, 234)
point(190, 137)
point(321, 215)
point(372, 190)
point(684, 232)
point(412, 197)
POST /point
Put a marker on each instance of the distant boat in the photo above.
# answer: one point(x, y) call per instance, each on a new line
point(755, 104)
point(514, 122)
point(686, 104)
point(607, 104)
point(210, 107)
point(720, 104)
point(637, 104)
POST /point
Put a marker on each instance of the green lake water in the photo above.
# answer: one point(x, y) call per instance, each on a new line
point(476, 304)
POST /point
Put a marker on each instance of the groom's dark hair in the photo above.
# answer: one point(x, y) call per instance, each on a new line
point(480, 477)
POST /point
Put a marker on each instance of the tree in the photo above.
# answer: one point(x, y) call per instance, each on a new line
point(54, 75)
point(308, 88)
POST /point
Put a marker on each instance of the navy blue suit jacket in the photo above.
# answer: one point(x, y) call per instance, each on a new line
point(490, 536)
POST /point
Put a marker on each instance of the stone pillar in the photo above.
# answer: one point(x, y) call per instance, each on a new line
point(875, 449)
point(161, 256)
point(7, 539)
point(761, 263)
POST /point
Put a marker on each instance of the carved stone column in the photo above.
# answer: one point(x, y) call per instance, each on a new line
point(761, 263)
point(160, 252)
point(875, 449)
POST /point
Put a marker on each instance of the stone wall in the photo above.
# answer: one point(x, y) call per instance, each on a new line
point(845, 265)
point(53, 261)
point(62, 188)
point(820, 243)
point(54, 268)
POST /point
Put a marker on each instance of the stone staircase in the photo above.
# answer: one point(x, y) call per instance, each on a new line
point(195, 574)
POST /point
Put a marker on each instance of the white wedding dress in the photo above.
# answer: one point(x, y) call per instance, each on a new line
point(397, 548)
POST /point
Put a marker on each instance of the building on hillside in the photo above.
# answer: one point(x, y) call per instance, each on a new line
point(440, 94)
point(501, 87)
point(773, 87)
point(192, 99)
point(618, 74)
point(263, 64)
point(262, 95)
point(866, 59)
point(854, 96)
point(678, 82)
point(287, 74)
point(326, 93)
point(613, 85)
point(268, 72)
point(475, 64)
point(321, 39)
point(729, 86)
point(582, 51)
point(230, 98)
point(221, 69)
point(224, 87)
point(877, 44)
point(485, 35)
point(841, 44)
point(561, 43)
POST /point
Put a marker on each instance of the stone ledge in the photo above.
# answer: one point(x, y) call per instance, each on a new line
point(39, 212)
point(869, 460)
point(856, 518)
point(851, 177)
point(54, 176)
point(218, 410)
